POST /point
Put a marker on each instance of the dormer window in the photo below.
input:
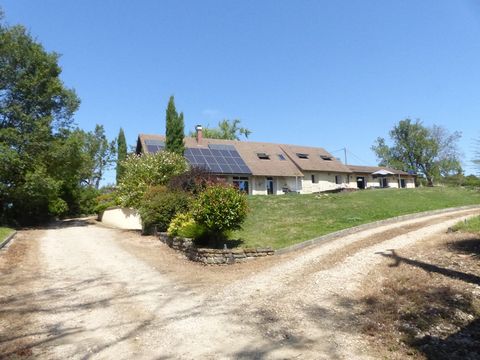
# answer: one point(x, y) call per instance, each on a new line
point(326, 157)
point(302, 156)
point(263, 156)
point(281, 157)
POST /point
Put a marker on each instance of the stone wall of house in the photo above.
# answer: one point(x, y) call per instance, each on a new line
point(213, 256)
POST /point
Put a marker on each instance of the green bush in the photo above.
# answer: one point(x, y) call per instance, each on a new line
point(58, 207)
point(184, 225)
point(105, 201)
point(220, 209)
point(160, 205)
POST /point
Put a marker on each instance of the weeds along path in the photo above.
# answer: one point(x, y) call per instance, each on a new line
point(80, 291)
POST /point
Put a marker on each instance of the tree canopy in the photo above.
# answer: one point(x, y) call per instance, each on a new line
point(428, 151)
point(45, 163)
point(174, 133)
point(226, 129)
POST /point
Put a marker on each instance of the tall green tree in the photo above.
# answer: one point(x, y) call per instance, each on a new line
point(174, 129)
point(36, 111)
point(226, 129)
point(100, 154)
point(121, 154)
point(431, 152)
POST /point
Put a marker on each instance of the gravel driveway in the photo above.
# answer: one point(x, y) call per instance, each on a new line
point(83, 291)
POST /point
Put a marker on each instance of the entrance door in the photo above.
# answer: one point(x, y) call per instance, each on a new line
point(361, 182)
point(269, 186)
point(402, 183)
point(383, 182)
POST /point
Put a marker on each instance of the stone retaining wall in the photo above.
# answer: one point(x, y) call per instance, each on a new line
point(213, 256)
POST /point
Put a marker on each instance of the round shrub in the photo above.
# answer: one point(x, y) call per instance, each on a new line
point(184, 225)
point(160, 205)
point(220, 208)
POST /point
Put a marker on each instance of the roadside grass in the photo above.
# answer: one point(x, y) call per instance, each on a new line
point(4, 232)
point(471, 225)
point(281, 221)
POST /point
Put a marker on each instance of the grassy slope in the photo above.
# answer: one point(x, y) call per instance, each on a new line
point(280, 221)
point(4, 232)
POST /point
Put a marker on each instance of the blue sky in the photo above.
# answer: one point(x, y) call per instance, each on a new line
point(320, 73)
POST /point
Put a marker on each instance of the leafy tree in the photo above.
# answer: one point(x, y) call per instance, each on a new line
point(174, 129)
point(121, 154)
point(100, 155)
point(36, 112)
point(227, 130)
point(144, 171)
point(427, 151)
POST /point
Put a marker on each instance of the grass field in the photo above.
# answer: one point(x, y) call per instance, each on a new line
point(4, 232)
point(280, 221)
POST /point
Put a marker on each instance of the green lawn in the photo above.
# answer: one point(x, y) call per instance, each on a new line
point(280, 221)
point(4, 232)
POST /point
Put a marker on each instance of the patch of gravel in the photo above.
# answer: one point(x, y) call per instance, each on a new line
point(97, 294)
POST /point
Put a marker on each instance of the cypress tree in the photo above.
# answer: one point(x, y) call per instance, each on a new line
point(174, 129)
point(122, 154)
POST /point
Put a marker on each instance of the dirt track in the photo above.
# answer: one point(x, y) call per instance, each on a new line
point(83, 291)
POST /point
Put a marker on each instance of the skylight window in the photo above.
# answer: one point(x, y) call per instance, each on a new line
point(302, 155)
point(263, 156)
point(281, 157)
point(326, 157)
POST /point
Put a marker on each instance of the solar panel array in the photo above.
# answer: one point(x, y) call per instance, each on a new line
point(154, 146)
point(225, 160)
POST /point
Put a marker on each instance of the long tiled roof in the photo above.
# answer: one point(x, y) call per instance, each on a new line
point(314, 159)
point(248, 151)
point(282, 160)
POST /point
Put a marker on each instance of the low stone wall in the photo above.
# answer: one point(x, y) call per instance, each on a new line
point(213, 256)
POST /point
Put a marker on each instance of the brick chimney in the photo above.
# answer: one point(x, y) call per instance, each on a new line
point(199, 130)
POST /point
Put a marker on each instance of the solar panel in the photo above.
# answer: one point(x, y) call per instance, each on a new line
point(218, 161)
point(154, 142)
point(154, 146)
point(221, 147)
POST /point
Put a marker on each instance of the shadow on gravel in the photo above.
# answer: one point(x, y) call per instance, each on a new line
point(466, 246)
point(470, 278)
point(38, 320)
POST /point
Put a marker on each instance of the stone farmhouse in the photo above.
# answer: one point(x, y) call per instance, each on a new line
point(259, 168)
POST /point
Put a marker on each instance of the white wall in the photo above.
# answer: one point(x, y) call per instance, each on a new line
point(122, 218)
point(323, 182)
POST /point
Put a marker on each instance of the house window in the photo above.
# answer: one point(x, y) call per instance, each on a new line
point(338, 179)
point(241, 183)
point(281, 157)
point(325, 157)
point(302, 155)
point(263, 156)
point(314, 179)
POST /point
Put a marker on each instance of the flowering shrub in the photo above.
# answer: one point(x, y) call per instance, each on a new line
point(220, 208)
point(143, 171)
